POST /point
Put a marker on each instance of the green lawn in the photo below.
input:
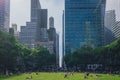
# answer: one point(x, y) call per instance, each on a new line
point(60, 76)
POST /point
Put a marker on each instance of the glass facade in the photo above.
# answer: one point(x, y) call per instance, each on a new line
point(84, 23)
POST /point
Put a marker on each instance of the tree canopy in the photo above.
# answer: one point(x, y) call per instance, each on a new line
point(108, 56)
point(14, 56)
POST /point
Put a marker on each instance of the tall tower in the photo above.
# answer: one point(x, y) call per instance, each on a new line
point(39, 16)
point(110, 24)
point(4, 15)
point(52, 30)
point(51, 22)
point(77, 13)
point(35, 6)
point(110, 19)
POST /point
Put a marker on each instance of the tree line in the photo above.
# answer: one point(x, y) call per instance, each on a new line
point(108, 56)
point(16, 57)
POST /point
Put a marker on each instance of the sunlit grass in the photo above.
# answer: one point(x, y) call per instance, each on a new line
point(60, 76)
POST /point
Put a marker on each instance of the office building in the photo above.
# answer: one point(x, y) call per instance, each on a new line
point(16, 32)
point(116, 29)
point(109, 36)
point(110, 24)
point(52, 33)
point(42, 35)
point(84, 24)
point(51, 22)
point(35, 33)
point(51, 30)
point(28, 34)
point(110, 19)
point(11, 31)
point(35, 6)
point(63, 38)
point(4, 15)
point(57, 49)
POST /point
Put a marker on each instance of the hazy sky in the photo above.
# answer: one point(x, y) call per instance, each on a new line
point(20, 11)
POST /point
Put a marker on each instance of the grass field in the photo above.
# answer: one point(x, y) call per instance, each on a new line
point(60, 76)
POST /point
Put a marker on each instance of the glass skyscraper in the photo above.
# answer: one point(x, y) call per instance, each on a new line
point(83, 24)
point(4, 15)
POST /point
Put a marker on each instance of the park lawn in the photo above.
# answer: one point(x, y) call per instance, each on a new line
point(60, 76)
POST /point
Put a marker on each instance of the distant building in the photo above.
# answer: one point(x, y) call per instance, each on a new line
point(35, 33)
point(109, 36)
point(11, 31)
point(16, 32)
point(63, 38)
point(28, 34)
point(57, 49)
point(4, 15)
point(116, 29)
point(14, 26)
point(53, 36)
point(49, 45)
point(84, 24)
point(110, 19)
point(110, 23)
point(51, 22)
point(52, 32)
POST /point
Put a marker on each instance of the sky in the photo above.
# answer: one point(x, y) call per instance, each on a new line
point(20, 12)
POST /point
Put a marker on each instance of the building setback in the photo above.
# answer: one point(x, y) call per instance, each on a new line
point(4, 15)
point(35, 33)
point(84, 24)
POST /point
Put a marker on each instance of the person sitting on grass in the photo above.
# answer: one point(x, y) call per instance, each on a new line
point(30, 77)
point(86, 74)
point(65, 76)
point(72, 73)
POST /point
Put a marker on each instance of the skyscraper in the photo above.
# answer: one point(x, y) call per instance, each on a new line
point(51, 22)
point(52, 33)
point(57, 49)
point(52, 30)
point(35, 6)
point(4, 15)
point(42, 35)
point(84, 23)
point(110, 19)
point(110, 24)
point(35, 31)
point(116, 29)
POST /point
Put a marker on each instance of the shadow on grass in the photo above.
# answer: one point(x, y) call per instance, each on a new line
point(6, 77)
